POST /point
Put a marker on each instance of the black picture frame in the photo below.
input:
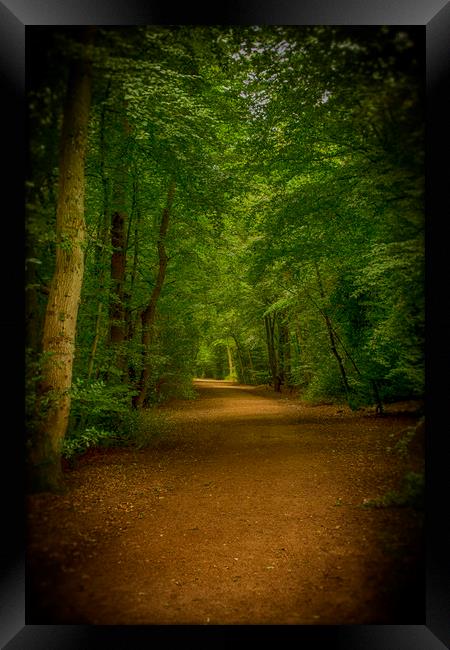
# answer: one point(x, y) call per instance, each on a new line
point(434, 16)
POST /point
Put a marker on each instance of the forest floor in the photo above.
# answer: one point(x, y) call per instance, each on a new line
point(250, 509)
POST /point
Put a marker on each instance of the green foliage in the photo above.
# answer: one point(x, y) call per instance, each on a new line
point(411, 494)
point(75, 444)
point(101, 408)
point(37, 401)
point(122, 426)
point(297, 158)
point(33, 369)
point(325, 385)
point(402, 446)
point(173, 385)
point(151, 427)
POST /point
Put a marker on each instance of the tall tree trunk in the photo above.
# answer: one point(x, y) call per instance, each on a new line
point(231, 370)
point(240, 358)
point(130, 319)
point(58, 343)
point(250, 364)
point(119, 242)
point(119, 231)
point(376, 393)
point(377, 396)
point(103, 234)
point(273, 361)
point(331, 335)
point(118, 264)
point(286, 353)
point(149, 313)
point(95, 341)
point(281, 376)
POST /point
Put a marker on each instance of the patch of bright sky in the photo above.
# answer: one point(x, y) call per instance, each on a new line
point(280, 51)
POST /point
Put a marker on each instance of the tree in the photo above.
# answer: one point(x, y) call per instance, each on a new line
point(253, 209)
point(64, 294)
point(148, 315)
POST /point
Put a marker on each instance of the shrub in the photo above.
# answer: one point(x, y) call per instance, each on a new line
point(151, 426)
point(104, 406)
point(172, 385)
point(101, 415)
point(411, 494)
point(325, 387)
point(77, 443)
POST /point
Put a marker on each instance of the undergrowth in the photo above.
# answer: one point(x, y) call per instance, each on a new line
point(411, 494)
point(143, 429)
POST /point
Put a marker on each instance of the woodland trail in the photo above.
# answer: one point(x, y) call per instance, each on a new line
point(248, 511)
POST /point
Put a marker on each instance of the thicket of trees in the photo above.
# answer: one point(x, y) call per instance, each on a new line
point(227, 202)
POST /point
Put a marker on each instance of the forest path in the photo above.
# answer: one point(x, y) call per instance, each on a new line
point(248, 511)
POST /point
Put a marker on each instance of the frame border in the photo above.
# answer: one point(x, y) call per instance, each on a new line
point(434, 15)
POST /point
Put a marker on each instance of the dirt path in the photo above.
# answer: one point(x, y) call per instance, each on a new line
point(247, 512)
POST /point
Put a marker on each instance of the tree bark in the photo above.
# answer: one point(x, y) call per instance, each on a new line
point(378, 400)
point(331, 335)
point(103, 234)
point(149, 313)
point(130, 319)
point(118, 264)
point(58, 342)
point(376, 393)
point(285, 341)
point(250, 364)
point(119, 242)
point(273, 361)
point(95, 341)
point(240, 358)
point(281, 374)
point(231, 370)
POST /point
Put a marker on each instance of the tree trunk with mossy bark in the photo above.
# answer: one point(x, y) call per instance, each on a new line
point(58, 341)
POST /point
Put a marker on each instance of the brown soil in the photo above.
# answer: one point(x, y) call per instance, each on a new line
point(250, 510)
